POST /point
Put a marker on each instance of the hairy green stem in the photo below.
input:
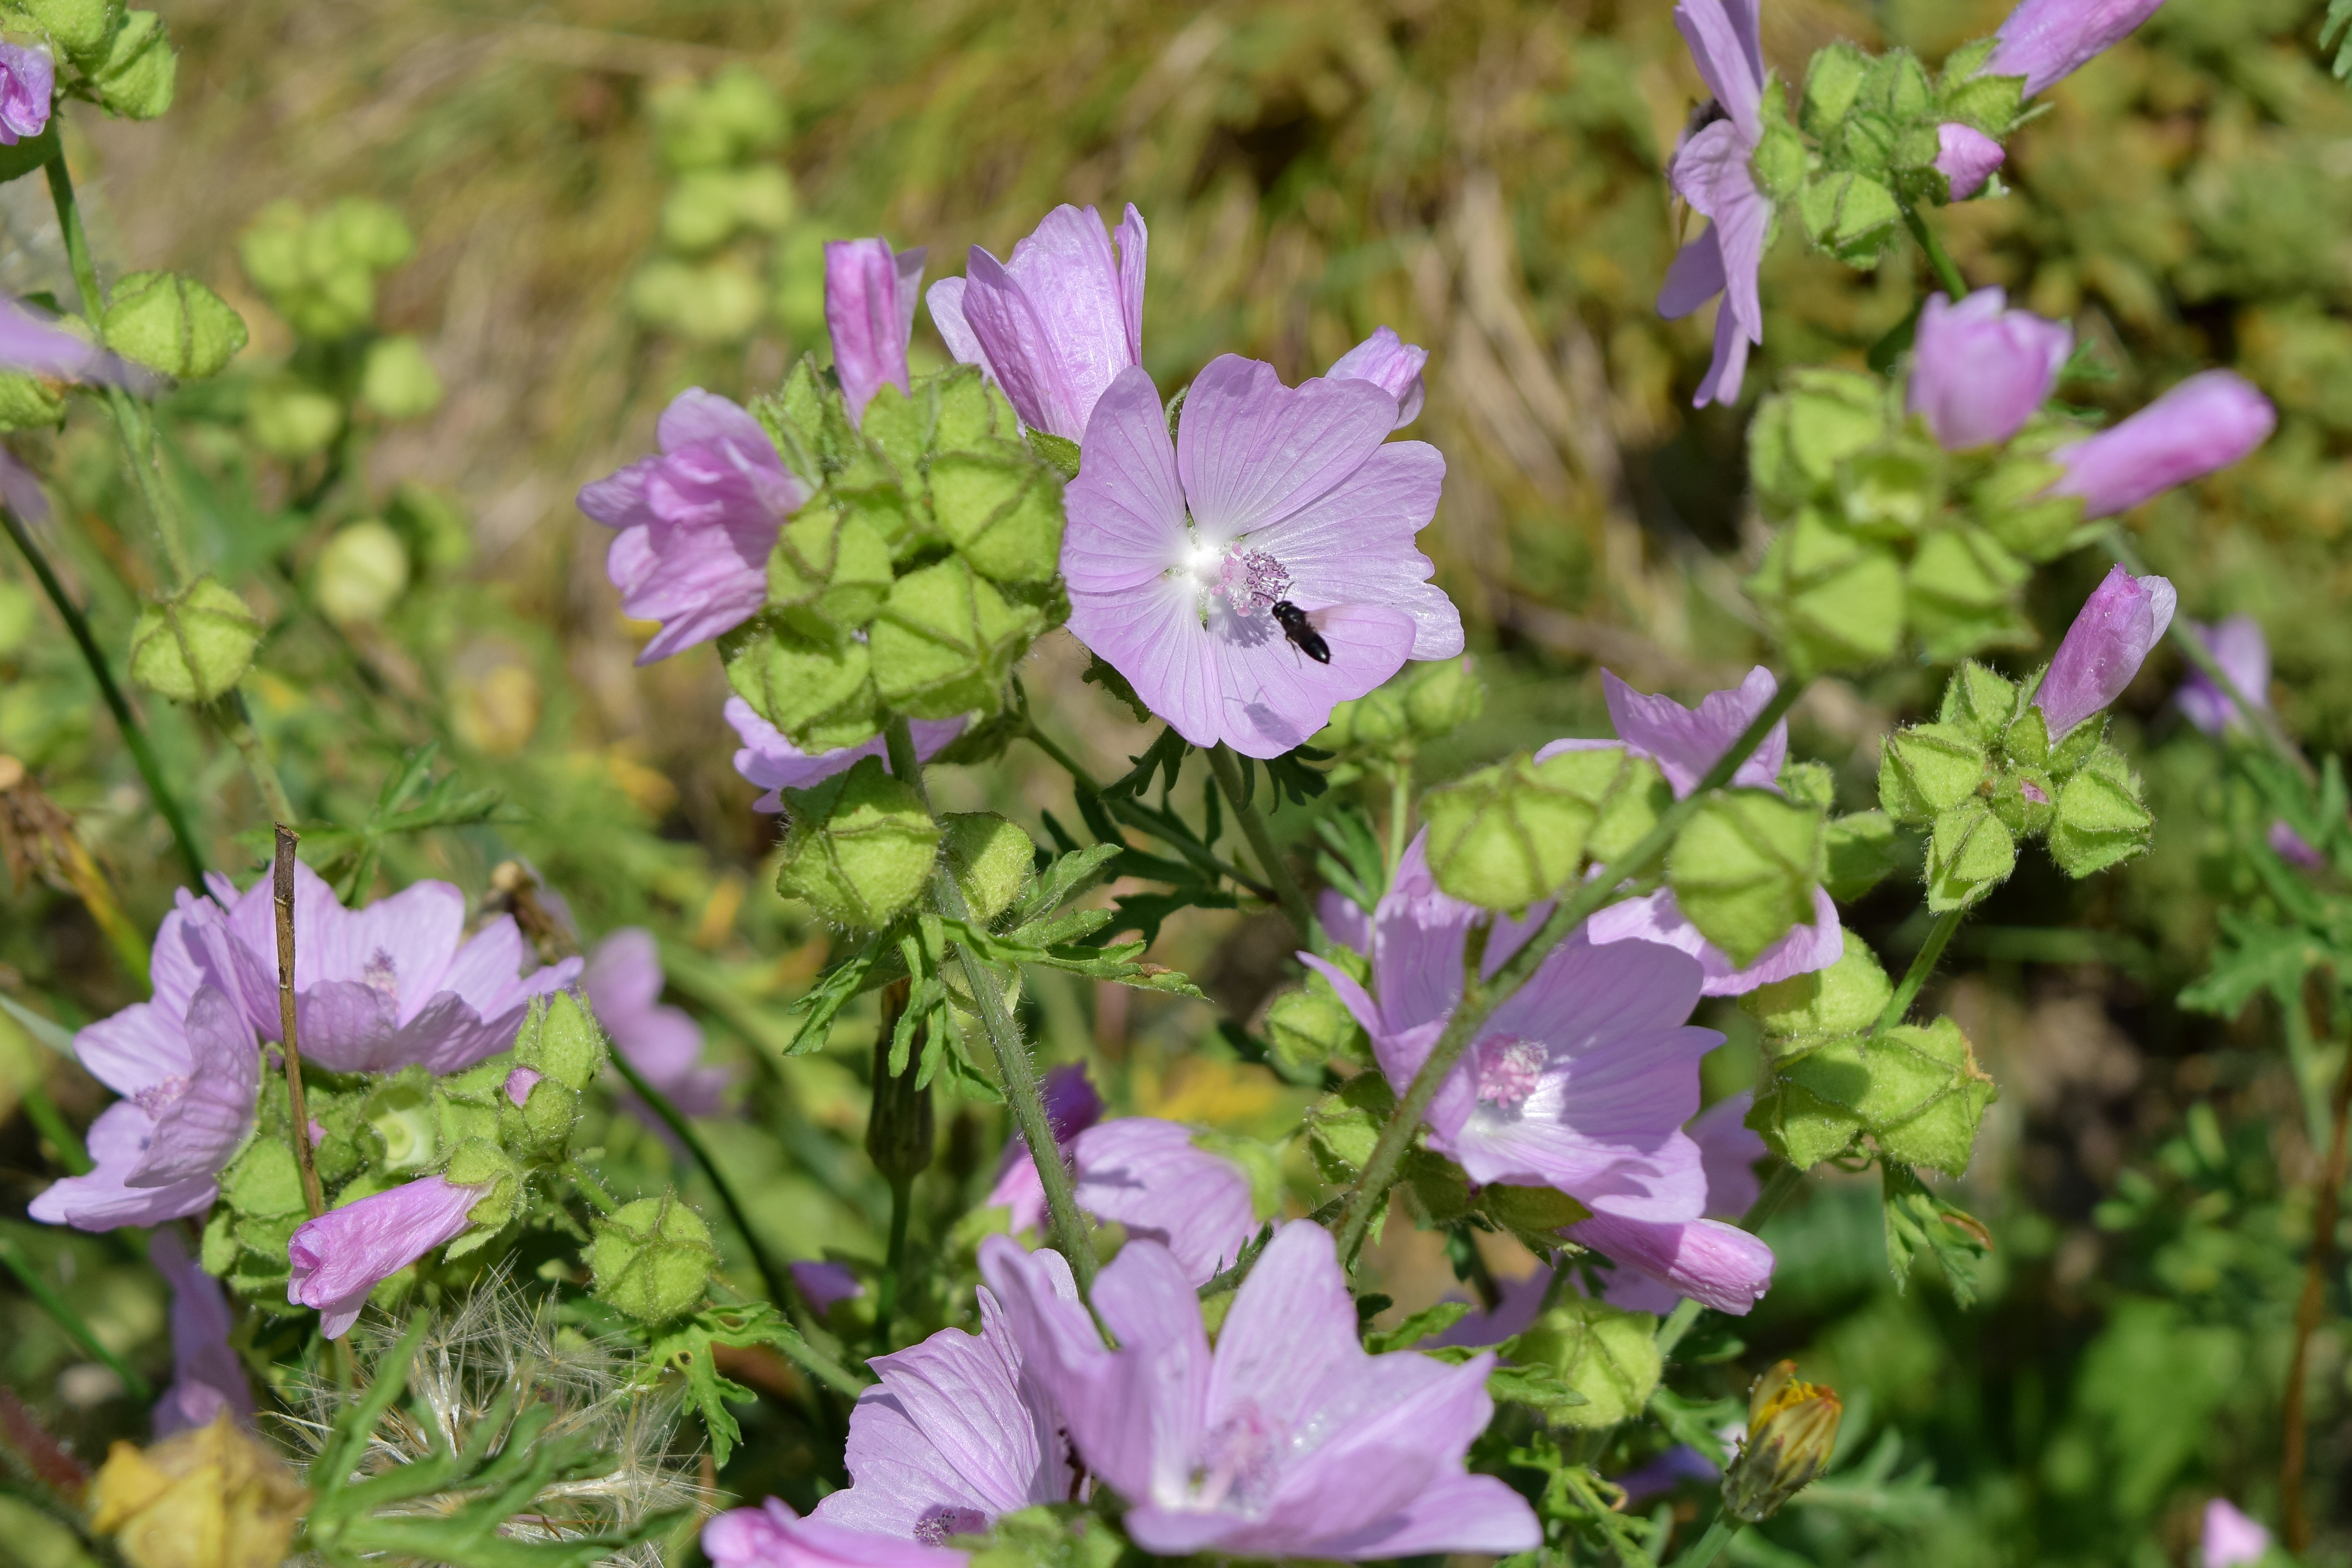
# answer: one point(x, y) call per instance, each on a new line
point(1948, 272)
point(1707, 1547)
point(1014, 1071)
point(66, 1318)
point(1923, 964)
point(133, 737)
point(1481, 997)
point(236, 721)
point(1287, 890)
point(781, 1287)
point(1400, 813)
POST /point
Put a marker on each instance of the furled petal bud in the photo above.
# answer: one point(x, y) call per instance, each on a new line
point(825, 1285)
point(773, 1536)
point(2205, 424)
point(2293, 848)
point(2229, 1538)
point(2238, 647)
point(1791, 1432)
point(869, 306)
point(2122, 620)
point(1706, 1259)
point(2046, 41)
point(1390, 363)
point(1981, 370)
point(346, 1253)
point(1966, 157)
point(27, 82)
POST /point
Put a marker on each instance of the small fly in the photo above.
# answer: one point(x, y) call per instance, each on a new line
point(1303, 637)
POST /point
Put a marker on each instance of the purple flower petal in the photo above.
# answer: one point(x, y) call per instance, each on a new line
point(1966, 158)
point(1695, 277)
point(1728, 1151)
point(1980, 371)
point(1521, 1301)
point(2293, 848)
point(28, 86)
point(775, 764)
point(206, 1376)
point(1354, 545)
point(2229, 1538)
point(2118, 626)
point(1072, 1105)
point(825, 1284)
point(103, 1200)
point(1684, 742)
point(773, 1536)
point(1658, 919)
point(347, 1252)
point(2046, 41)
point(623, 983)
point(869, 308)
point(2244, 654)
point(1390, 363)
point(201, 1119)
point(1059, 322)
point(1150, 1176)
point(1726, 44)
point(1718, 1264)
point(2204, 424)
point(1250, 451)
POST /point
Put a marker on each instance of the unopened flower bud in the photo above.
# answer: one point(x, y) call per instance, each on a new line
point(993, 861)
point(28, 403)
point(292, 420)
point(861, 846)
point(1981, 370)
point(1443, 696)
point(211, 1497)
point(1791, 1432)
point(2229, 1539)
point(80, 27)
point(141, 70)
point(1966, 158)
point(652, 1258)
point(2046, 41)
point(1307, 1028)
point(2119, 625)
point(196, 646)
point(2204, 424)
point(1376, 721)
point(28, 80)
point(173, 324)
point(559, 1039)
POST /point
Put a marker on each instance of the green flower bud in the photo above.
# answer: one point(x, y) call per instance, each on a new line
point(861, 846)
point(993, 861)
point(1375, 722)
point(559, 1039)
point(2024, 800)
point(1892, 492)
point(1970, 852)
point(466, 1104)
point(1962, 592)
point(1833, 81)
point(1801, 435)
point(1343, 1128)
point(1926, 770)
point(1608, 1356)
point(708, 207)
point(652, 1258)
point(540, 1129)
point(397, 381)
point(820, 694)
point(1979, 701)
point(196, 646)
point(1003, 510)
point(1807, 1009)
point(1305, 1028)
point(141, 70)
point(1988, 103)
point(361, 574)
point(708, 125)
point(1927, 1096)
point(1861, 852)
point(356, 231)
point(1442, 696)
point(1792, 1433)
point(80, 29)
point(173, 324)
point(946, 640)
point(2026, 741)
point(292, 420)
point(2102, 818)
point(1744, 869)
point(2013, 502)
point(897, 426)
point(264, 1181)
point(1780, 161)
point(1510, 834)
point(1807, 783)
point(27, 402)
point(399, 1127)
point(971, 414)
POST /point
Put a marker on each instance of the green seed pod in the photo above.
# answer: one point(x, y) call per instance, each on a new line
point(141, 70)
point(173, 324)
point(1443, 696)
point(397, 381)
point(361, 574)
point(292, 420)
point(27, 402)
point(652, 1258)
point(81, 28)
point(861, 846)
point(1745, 867)
point(559, 1039)
point(1608, 1355)
point(196, 646)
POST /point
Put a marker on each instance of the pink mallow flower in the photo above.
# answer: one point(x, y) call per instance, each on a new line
point(395, 983)
point(697, 523)
point(957, 1433)
point(2238, 645)
point(1712, 1260)
point(2118, 626)
point(1055, 325)
point(2231, 1540)
point(1390, 363)
point(1966, 158)
point(206, 1377)
point(1178, 553)
point(1979, 370)
point(775, 764)
point(1580, 1082)
point(1713, 170)
point(188, 1067)
point(2046, 41)
point(1684, 744)
point(624, 980)
point(2202, 425)
point(347, 1252)
point(28, 80)
point(773, 1536)
point(1286, 1439)
point(869, 306)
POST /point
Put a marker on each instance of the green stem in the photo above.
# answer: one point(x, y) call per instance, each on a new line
point(1923, 964)
point(1400, 813)
point(781, 1288)
point(1709, 1546)
point(2257, 714)
point(1948, 273)
point(592, 1187)
point(1014, 1071)
point(129, 421)
point(68, 1319)
point(1135, 817)
point(894, 1263)
point(1579, 1479)
point(133, 737)
point(1287, 891)
point(1481, 997)
point(237, 720)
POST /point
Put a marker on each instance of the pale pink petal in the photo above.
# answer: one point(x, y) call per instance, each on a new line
point(1250, 451)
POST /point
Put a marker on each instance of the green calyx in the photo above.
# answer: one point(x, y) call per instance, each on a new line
point(196, 646)
point(1744, 869)
point(1424, 702)
point(172, 324)
point(861, 847)
point(1308, 1028)
point(1510, 834)
point(652, 1258)
point(1916, 1091)
point(1608, 1356)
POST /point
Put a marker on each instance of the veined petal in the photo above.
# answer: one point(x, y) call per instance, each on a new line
point(1276, 696)
point(1250, 451)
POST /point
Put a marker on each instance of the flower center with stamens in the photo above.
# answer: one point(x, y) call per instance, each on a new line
point(1237, 1461)
point(158, 1097)
point(935, 1528)
point(1253, 580)
point(1509, 1067)
point(380, 975)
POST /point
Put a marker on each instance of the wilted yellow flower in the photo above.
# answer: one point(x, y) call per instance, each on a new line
point(209, 1498)
point(1792, 1429)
